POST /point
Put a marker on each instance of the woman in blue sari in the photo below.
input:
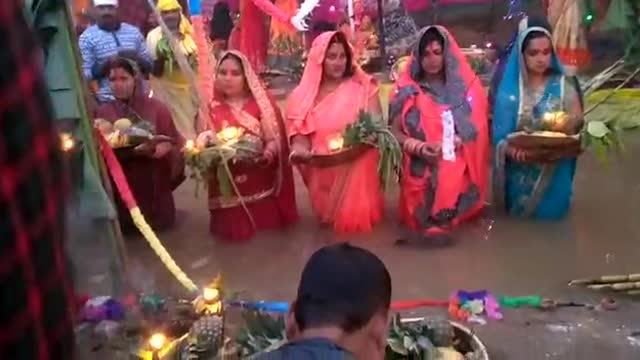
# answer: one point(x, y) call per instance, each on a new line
point(532, 183)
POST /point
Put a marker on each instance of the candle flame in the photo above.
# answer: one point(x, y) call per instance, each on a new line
point(230, 134)
point(190, 145)
point(336, 143)
point(67, 142)
point(210, 294)
point(555, 118)
point(157, 341)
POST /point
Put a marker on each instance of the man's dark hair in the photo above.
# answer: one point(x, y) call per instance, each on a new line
point(342, 285)
point(221, 23)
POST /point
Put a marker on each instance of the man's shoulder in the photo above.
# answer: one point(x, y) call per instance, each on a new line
point(89, 32)
point(129, 28)
point(312, 349)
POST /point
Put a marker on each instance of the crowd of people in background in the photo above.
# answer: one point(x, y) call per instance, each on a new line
point(439, 114)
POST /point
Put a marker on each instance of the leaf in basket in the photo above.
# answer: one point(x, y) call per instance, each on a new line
point(224, 182)
point(597, 129)
point(427, 347)
point(397, 346)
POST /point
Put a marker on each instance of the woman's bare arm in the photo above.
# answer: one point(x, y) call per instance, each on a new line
point(374, 106)
point(300, 142)
point(574, 108)
point(396, 130)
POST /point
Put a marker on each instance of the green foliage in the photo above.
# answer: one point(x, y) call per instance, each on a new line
point(261, 333)
point(164, 49)
point(375, 132)
point(406, 341)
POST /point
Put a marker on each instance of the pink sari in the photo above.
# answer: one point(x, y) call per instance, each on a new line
point(436, 197)
point(267, 189)
point(348, 196)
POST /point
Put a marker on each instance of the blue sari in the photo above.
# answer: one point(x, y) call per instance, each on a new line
point(540, 191)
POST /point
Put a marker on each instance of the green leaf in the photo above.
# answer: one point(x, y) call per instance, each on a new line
point(597, 129)
point(224, 182)
point(629, 122)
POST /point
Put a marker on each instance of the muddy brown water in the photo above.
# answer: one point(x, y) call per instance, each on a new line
point(504, 255)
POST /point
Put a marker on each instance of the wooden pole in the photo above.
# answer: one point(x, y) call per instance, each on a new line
point(383, 49)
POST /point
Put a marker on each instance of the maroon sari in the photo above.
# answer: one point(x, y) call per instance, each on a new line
point(152, 181)
point(267, 189)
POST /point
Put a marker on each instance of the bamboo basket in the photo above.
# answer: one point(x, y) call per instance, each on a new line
point(544, 140)
point(345, 156)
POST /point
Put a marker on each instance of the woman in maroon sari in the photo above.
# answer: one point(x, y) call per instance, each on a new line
point(153, 169)
point(265, 185)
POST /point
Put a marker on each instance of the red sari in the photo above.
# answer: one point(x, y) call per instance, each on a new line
point(436, 197)
point(267, 189)
point(152, 181)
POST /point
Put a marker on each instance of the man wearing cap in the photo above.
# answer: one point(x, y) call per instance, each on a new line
point(107, 39)
point(341, 310)
point(170, 84)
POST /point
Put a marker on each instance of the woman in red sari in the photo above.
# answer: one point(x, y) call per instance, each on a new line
point(266, 185)
point(154, 169)
point(439, 115)
point(332, 92)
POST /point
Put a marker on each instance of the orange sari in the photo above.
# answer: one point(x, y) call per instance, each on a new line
point(348, 196)
point(436, 197)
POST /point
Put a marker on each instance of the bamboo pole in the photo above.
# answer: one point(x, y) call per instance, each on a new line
point(118, 251)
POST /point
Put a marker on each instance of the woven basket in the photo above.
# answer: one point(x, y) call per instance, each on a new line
point(344, 156)
point(543, 140)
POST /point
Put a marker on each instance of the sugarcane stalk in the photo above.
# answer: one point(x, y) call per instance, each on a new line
point(607, 279)
point(622, 286)
point(183, 63)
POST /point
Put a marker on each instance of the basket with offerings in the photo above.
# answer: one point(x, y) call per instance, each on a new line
point(366, 133)
point(209, 158)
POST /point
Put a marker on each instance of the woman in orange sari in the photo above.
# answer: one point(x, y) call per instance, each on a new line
point(266, 185)
point(439, 115)
point(329, 97)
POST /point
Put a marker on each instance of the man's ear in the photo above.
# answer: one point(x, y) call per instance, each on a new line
point(292, 330)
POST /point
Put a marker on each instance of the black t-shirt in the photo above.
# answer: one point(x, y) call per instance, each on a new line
point(308, 349)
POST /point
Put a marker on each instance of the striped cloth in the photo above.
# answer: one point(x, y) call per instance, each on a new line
point(97, 46)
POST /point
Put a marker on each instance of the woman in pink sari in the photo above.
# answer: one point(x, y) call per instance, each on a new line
point(266, 185)
point(331, 93)
point(439, 115)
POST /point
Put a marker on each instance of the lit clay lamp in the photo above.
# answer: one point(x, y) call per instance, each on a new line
point(190, 146)
point(555, 120)
point(67, 142)
point(230, 134)
point(210, 301)
point(336, 143)
point(157, 343)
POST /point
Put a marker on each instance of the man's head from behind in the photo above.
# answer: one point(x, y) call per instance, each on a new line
point(344, 294)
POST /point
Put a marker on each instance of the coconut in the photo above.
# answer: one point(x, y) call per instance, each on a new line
point(122, 124)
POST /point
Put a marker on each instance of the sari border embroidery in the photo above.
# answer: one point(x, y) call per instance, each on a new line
point(230, 202)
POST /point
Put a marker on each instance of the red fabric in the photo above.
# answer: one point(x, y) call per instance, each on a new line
point(36, 294)
point(453, 177)
point(233, 224)
point(152, 181)
point(254, 35)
